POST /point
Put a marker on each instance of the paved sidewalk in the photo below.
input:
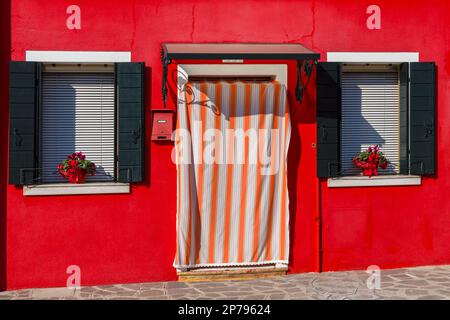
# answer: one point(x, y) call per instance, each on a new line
point(408, 283)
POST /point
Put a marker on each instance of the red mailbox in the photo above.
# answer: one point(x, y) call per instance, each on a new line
point(162, 124)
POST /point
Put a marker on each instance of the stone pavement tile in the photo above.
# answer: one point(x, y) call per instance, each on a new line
point(301, 297)
point(173, 284)
point(444, 292)
point(154, 298)
point(210, 295)
point(263, 289)
point(415, 283)
point(176, 291)
point(218, 289)
point(52, 292)
point(431, 297)
point(24, 293)
point(415, 292)
point(209, 284)
point(365, 297)
point(87, 289)
point(396, 298)
point(236, 293)
point(132, 286)
point(126, 294)
point(83, 295)
point(394, 271)
point(103, 293)
point(114, 292)
point(152, 285)
point(335, 287)
point(150, 293)
point(277, 296)
point(401, 277)
point(254, 297)
point(442, 280)
point(287, 285)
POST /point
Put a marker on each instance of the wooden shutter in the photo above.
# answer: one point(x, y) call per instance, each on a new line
point(77, 114)
point(422, 118)
point(328, 119)
point(370, 116)
point(24, 98)
point(130, 79)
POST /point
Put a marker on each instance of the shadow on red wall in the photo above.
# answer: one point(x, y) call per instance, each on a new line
point(4, 93)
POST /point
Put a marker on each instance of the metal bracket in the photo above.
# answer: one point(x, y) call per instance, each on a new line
point(307, 66)
point(333, 164)
point(36, 178)
point(165, 63)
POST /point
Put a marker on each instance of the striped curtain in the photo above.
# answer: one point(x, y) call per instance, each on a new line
point(231, 147)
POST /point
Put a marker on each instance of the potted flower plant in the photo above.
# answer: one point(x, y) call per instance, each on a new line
point(75, 168)
point(369, 160)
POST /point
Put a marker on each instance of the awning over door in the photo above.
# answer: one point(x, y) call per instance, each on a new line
point(263, 51)
point(305, 57)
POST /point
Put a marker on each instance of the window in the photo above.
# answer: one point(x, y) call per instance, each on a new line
point(365, 105)
point(370, 114)
point(78, 114)
point(59, 109)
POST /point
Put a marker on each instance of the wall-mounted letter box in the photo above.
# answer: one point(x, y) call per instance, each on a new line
point(162, 124)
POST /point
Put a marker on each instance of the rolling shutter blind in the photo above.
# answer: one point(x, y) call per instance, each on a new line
point(370, 116)
point(77, 114)
point(328, 119)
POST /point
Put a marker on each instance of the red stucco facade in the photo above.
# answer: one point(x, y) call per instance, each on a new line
point(131, 237)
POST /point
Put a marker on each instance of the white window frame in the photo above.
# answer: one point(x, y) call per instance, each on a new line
point(373, 58)
point(74, 57)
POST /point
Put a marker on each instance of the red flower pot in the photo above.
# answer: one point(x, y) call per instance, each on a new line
point(79, 176)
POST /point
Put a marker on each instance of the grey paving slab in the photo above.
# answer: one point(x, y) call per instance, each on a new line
point(424, 283)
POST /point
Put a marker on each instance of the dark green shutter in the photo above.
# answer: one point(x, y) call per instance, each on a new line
point(328, 119)
point(404, 135)
point(422, 118)
point(24, 100)
point(131, 101)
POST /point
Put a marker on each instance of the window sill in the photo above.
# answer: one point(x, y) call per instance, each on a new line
point(375, 181)
point(57, 189)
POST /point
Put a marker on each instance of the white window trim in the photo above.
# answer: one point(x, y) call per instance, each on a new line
point(278, 71)
point(375, 181)
point(77, 57)
point(372, 57)
point(375, 58)
point(54, 189)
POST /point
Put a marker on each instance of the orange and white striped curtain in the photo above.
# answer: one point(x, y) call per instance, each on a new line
point(231, 147)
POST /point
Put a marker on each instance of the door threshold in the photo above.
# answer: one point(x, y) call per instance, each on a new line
point(231, 273)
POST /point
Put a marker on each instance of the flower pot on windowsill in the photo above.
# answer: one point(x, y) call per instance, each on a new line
point(370, 160)
point(78, 177)
point(75, 168)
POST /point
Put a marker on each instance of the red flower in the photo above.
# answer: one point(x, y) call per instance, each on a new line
point(373, 158)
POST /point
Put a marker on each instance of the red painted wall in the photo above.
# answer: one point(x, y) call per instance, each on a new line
point(130, 238)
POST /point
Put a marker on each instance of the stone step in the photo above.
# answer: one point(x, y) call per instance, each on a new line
point(222, 274)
